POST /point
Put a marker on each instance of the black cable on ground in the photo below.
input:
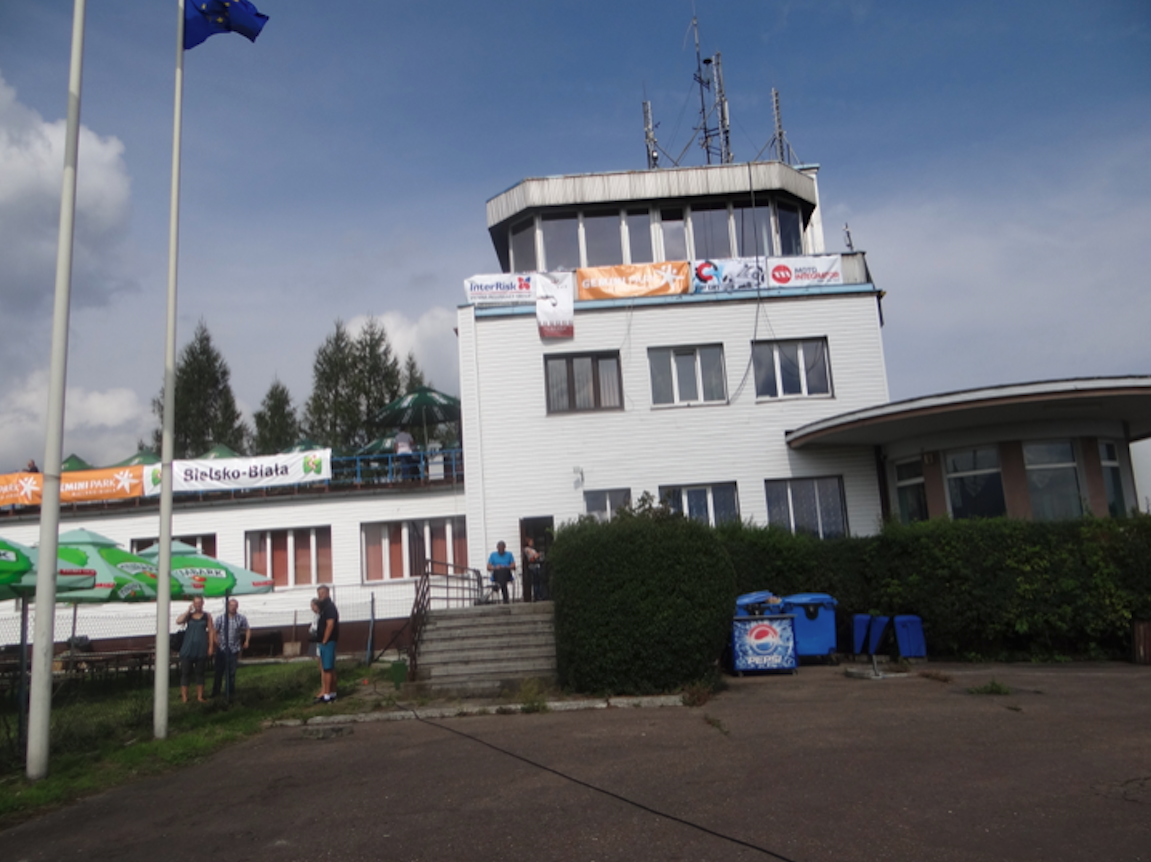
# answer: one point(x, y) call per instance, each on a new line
point(616, 796)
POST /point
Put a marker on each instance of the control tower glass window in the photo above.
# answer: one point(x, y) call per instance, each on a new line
point(790, 230)
point(561, 242)
point(523, 243)
point(753, 230)
point(601, 232)
point(639, 235)
point(674, 240)
point(709, 230)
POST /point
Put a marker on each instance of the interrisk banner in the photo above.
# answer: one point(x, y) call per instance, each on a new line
point(238, 474)
point(499, 289)
point(750, 273)
point(555, 304)
point(634, 279)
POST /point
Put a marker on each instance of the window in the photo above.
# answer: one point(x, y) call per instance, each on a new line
point(790, 230)
point(709, 504)
point(791, 368)
point(974, 484)
point(561, 242)
point(586, 382)
point(1112, 478)
point(911, 490)
point(443, 541)
point(601, 233)
point(639, 235)
point(753, 230)
point(205, 543)
point(523, 243)
point(812, 506)
point(674, 239)
point(685, 375)
point(709, 231)
point(1052, 480)
point(602, 505)
point(291, 558)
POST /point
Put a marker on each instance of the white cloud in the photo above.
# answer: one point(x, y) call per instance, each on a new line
point(102, 427)
point(431, 337)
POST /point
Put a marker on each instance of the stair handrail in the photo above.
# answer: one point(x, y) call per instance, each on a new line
point(460, 586)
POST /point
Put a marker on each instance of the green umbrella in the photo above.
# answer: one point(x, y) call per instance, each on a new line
point(218, 451)
point(74, 462)
point(379, 446)
point(120, 576)
point(305, 444)
point(18, 572)
point(201, 575)
point(144, 456)
point(422, 406)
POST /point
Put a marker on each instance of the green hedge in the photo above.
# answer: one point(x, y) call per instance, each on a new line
point(642, 604)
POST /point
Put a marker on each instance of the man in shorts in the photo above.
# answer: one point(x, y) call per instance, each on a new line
point(329, 631)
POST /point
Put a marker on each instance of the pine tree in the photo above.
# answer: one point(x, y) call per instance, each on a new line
point(276, 425)
point(413, 375)
point(206, 413)
point(377, 379)
point(332, 414)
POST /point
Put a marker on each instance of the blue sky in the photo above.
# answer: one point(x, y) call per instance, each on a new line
point(991, 158)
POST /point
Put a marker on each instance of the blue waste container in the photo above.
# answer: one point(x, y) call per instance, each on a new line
point(814, 622)
point(757, 604)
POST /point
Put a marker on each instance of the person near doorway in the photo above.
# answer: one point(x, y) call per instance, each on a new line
point(533, 572)
point(233, 634)
point(501, 564)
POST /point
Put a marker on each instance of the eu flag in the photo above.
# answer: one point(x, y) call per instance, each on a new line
point(204, 18)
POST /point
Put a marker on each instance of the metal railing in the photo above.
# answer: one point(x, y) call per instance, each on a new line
point(444, 585)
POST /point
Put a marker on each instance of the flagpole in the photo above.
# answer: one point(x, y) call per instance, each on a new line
point(40, 695)
point(167, 446)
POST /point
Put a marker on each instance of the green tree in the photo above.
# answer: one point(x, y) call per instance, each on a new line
point(413, 375)
point(206, 413)
point(377, 379)
point(277, 427)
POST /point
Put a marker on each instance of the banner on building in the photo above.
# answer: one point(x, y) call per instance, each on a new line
point(805, 271)
point(498, 289)
point(750, 273)
point(555, 305)
point(20, 489)
point(238, 474)
point(77, 486)
point(634, 279)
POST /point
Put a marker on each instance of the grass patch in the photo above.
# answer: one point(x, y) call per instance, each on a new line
point(533, 696)
point(102, 731)
point(935, 675)
point(717, 724)
point(992, 687)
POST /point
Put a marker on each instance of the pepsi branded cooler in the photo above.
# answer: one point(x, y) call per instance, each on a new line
point(763, 643)
point(814, 622)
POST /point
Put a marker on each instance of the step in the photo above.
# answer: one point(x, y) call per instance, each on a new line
point(448, 652)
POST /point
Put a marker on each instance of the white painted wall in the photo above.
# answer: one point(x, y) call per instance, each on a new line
point(529, 459)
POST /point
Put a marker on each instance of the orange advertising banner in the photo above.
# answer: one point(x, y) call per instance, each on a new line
point(79, 486)
point(634, 279)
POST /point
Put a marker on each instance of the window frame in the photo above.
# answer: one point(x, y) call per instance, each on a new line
point(915, 485)
point(1112, 469)
point(569, 359)
point(668, 492)
point(777, 368)
point(792, 525)
point(1035, 468)
point(950, 476)
point(608, 511)
point(699, 380)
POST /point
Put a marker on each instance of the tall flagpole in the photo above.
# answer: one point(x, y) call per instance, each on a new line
point(167, 447)
point(40, 695)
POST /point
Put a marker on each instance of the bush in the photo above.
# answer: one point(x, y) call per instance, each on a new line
point(643, 603)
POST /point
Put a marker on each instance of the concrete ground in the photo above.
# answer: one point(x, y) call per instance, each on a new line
point(810, 767)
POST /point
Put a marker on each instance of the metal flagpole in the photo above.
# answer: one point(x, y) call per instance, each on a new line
point(40, 696)
point(167, 446)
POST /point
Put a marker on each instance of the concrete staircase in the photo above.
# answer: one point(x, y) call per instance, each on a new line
point(487, 649)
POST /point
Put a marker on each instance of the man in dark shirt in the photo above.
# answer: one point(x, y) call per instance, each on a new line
point(329, 632)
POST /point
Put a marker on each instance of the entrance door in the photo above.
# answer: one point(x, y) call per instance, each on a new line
point(540, 531)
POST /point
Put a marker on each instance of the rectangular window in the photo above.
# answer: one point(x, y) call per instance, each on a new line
point(674, 238)
point(602, 505)
point(639, 236)
point(291, 558)
point(561, 242)
point(811, 506)
point(709, 504)
point(911, 490)
point(601, 232)
point(586, 382)
point(1112, 478)
point(974, 483)
point(205, 543)
point(686, 375)
point(790, 230)
point(753, 230)
point(710, 232)
point(791, 368)
point(1052, 480)
point(523, 244)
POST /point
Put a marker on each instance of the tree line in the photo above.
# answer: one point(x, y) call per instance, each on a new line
point(353, 378)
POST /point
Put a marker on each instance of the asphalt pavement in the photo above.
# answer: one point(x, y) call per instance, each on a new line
point(812, 767)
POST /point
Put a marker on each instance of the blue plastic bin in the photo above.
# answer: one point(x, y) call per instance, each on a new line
point(814, 622)
point(909, 636)
point(757, 604)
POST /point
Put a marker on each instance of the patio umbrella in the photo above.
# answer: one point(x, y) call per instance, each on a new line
point(120, 575)
point(74, 462)
point(423, 406)
point(379, 446)
point(201, 575)
point(304, 444)
point(144, 456)
point(218, 451)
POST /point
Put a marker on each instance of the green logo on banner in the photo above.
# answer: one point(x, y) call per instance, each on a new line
point(313, 464)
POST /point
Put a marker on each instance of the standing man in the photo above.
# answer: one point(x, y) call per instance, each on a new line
point(406, 453)
point(533, 571)
point(501, 564)
point(329, 630)
point(232, 635)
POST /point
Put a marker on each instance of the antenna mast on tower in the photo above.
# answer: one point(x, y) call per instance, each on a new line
point(778, 144)
point(649, 138)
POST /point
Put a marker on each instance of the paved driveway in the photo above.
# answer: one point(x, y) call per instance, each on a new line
point(807, 768)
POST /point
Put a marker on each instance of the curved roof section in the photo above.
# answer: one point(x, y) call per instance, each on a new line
point(1119, 399)
point(662, 184)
